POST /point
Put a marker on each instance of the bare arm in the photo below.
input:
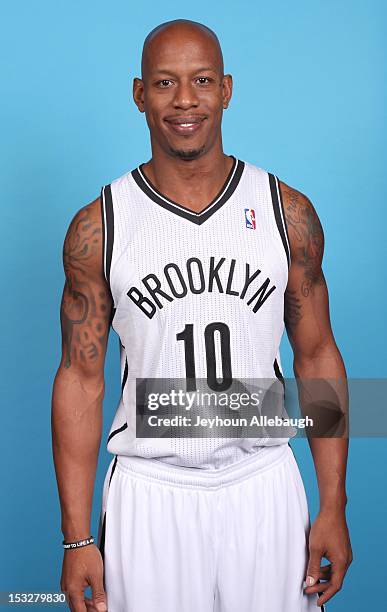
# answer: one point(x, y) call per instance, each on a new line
point(79, 383)
point(316, 356)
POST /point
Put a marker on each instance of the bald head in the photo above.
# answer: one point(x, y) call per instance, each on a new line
point(176, 35)
point(183, 90)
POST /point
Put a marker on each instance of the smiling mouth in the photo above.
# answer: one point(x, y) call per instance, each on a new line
point(185, 126)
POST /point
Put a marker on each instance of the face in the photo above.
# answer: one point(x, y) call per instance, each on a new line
point(183, 92)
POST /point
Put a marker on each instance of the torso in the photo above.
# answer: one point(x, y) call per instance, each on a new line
point(187, 286)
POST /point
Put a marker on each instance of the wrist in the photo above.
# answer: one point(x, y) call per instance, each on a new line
point(333, 505)
point(71, 533)
point(78, 543)
point(75, 524)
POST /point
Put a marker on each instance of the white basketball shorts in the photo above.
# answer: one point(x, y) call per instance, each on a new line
point(178, 539)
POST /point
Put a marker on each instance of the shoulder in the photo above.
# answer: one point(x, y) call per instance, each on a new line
point(250, 167)
point(302, 221)
point(83, 243)
point(90, 213)
point(293, 198)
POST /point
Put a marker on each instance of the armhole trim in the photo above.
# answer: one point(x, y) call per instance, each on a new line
point(107, 229)
point(279, 213)
point(278, 373)
point(102, 531)
point(282, 210)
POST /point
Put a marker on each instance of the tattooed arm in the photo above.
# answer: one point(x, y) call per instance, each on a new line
point(316, 356)
point(77, 396)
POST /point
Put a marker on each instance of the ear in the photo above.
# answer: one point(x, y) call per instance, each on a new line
point(227, 89)
point(138, 94)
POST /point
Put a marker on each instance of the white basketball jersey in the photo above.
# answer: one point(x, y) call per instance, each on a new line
point(175, 275)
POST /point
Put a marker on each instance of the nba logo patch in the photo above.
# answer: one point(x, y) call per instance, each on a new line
point(250, 218)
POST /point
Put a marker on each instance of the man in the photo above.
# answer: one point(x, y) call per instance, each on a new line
point(196, 258)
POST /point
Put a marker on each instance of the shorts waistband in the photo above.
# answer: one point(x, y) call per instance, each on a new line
point(154, 469)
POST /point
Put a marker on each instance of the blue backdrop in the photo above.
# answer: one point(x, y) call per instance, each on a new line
point(308, 105)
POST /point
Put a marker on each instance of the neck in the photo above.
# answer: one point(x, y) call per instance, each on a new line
point(191, 183)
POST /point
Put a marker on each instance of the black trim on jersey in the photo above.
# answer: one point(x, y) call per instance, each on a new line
point(277, 213)
point(125, 376)
point(102, 538)
point(113, 468)
point(117, 431)
point(101, 545)
point(125, 425)
point(278, 373)
point(103, 229)
point(277, 370)
point(108, 228)
point(107, 238)
point(283, 214)
point(112, 314)
point(224, 194)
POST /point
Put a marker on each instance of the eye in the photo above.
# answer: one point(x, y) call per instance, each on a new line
point(204, 79)
point(163, 83)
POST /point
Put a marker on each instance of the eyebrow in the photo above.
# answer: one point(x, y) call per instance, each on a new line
point(201, 69)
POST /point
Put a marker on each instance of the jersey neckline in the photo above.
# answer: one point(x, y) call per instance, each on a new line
point(228, 188)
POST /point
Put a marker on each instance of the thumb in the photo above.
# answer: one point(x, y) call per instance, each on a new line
point(98, 594)
point(313, 571)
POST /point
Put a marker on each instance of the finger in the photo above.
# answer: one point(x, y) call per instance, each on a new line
point(328, 593)
point(314, 566)
point(76, 601)
point(89, 605)
point(319, 587)
point(98, 592)
point(333, 586)
point(325, 574)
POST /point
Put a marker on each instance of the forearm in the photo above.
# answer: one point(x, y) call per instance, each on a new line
point(329, 453)
point(330, 460)
point(76, 436)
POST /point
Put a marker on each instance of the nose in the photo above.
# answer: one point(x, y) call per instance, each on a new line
point(185, 95)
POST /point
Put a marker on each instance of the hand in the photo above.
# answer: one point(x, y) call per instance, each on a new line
point(83, 567)
point(328, 538)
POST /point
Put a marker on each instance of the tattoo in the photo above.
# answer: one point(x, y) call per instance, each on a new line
point(80, 244)
point(307, 246)
point(292, 309)
point(74, 311)
point(84, 310)
point(308, 238)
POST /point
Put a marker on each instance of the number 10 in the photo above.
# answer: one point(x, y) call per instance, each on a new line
point(187, 336)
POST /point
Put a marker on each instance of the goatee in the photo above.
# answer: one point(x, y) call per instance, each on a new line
point(187, 155)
